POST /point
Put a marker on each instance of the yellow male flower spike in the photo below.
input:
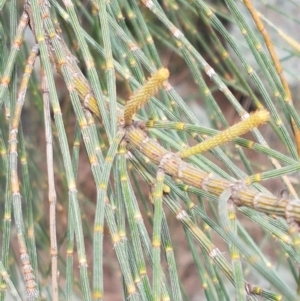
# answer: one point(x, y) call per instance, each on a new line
point(140, 98)
point(242, 127)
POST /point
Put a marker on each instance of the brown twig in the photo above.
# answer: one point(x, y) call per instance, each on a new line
point(51, 188)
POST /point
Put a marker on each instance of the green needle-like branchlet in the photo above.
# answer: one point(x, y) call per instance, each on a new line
point(139, 146)
point(156, 239)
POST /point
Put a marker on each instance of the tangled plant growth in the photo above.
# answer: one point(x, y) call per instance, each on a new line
point(143, 137)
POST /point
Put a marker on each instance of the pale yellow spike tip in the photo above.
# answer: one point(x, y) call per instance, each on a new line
point(162, 74)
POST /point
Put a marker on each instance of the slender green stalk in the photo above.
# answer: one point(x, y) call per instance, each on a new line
point(70, 231)
point(99, 219)
point(9, 283)
point(228, 222)
point(6, 75)
point(213, 276)
point(156, 239)
point(205, 281)
point(131, 291)
point(173, 271)
point(110, 70)
point(7, 216)
point(12, 30)
point(133, 217)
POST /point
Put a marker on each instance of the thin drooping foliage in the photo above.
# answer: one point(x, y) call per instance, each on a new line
point(150, 158)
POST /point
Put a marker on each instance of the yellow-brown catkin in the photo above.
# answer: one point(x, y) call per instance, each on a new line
point(242, 127)
point(140, 98)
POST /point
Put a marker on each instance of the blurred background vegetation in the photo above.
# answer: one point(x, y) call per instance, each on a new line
point(101, 224)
